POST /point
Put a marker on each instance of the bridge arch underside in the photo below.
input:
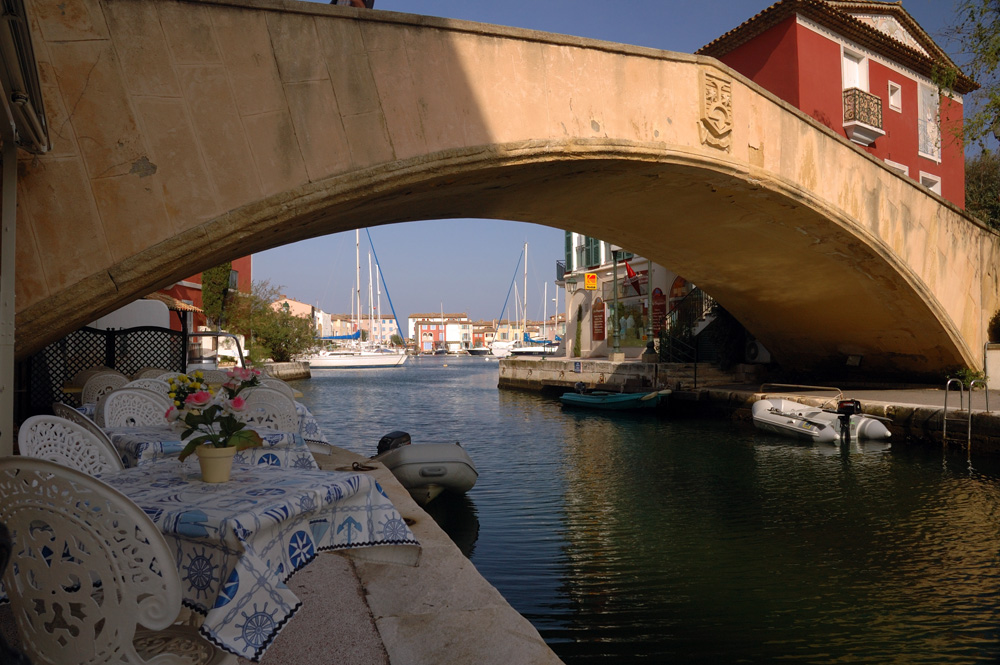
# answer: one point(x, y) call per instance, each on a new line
point(811, 286)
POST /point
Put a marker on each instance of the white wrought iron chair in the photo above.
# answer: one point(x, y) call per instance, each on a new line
point(69, 413)
point(81, 377)
point(89, 569)
point(215, 376)
point(266, 407)
point(279, 385)
point(134, 407)
point(101, 384)
point(149, 373)
point(68, 443)
point(155, 385)
point(166, 376)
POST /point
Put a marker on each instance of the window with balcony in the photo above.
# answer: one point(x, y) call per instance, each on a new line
point(862, 116)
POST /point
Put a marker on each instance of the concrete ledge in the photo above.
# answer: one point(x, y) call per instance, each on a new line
point(289, 371)
point(442, 610)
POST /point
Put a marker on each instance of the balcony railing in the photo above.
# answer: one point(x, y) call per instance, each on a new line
point(560, 270)
point(862, 116)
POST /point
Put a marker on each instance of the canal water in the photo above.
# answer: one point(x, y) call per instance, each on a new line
point(639, 539)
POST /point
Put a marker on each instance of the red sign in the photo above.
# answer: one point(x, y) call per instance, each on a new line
point(659, 311)
point(597, 322)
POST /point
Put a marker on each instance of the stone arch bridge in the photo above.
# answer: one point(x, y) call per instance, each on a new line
point(184, 134)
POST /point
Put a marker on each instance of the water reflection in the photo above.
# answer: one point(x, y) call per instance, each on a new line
point(642, 540)
point(457, 516)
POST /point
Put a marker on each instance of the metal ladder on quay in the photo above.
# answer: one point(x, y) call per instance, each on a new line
point(967, 418)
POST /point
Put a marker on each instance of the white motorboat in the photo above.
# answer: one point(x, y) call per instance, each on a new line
point(427, 469)
point(355, 359)
point(812, 423)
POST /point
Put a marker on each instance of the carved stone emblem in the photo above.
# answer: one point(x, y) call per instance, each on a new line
point(716, 125)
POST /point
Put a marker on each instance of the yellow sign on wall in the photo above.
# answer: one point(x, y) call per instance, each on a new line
point(590, 281)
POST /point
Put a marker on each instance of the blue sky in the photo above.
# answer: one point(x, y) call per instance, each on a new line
point(467, 266)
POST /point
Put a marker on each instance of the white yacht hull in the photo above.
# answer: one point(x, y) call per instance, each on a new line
point(357, 360)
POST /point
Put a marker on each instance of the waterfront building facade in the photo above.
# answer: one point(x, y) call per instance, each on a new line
point(188, 292)
point(588, 275)
point(441, 332)
point(863, 69)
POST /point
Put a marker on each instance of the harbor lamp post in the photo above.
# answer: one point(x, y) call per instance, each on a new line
point(614, 287)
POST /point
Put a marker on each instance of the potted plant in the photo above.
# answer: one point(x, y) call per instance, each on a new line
point(213, 432)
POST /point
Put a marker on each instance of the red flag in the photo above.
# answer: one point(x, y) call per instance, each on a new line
point(633, 278)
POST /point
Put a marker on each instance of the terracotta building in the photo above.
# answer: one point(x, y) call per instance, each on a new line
point(864, 70)
point(188, 292)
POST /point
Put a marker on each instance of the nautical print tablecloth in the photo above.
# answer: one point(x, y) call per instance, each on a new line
point(308, 427)
point(141, 445)
point(237, 542)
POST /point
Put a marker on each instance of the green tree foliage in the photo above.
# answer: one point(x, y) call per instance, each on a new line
point(214, 289)
point(396, 340)
point(976, 31)
point(270, 333)
point(982, 187)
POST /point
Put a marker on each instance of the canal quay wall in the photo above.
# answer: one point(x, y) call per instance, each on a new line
point(289, 371)
point(916, 413)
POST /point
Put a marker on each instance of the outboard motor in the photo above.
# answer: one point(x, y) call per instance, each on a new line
point(393, 440)
point(845, 409)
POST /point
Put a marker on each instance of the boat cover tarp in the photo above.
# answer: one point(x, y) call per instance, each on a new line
point(355, 335)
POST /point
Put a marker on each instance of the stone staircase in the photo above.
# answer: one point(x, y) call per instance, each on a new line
point(688, 376)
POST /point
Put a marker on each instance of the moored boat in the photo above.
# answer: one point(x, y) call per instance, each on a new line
point(427, 469)
point(610, 401)
point(355, 359)
point(812, 423)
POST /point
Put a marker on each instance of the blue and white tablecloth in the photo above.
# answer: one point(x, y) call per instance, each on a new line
point(308, 427)
point(141, 445)
point(237, 542)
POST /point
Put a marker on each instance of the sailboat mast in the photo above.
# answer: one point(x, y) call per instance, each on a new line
point(357, 278)
point(371, 302)
point(524, 306)
point(378, 310)
point(545, 309)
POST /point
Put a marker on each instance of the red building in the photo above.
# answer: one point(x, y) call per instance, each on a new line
point(864, 70)
point(188, 291)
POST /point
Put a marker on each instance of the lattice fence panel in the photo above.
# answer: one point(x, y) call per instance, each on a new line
point(125, 350)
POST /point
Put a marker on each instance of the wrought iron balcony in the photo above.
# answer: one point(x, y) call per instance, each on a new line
point(862, 116)
point(560, 270)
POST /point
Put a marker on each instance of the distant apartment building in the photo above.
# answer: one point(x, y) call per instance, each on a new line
point(441, 332)
point(301, 310)
point(380, 330)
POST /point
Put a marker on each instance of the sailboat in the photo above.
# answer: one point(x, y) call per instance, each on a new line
point(502, 348)
point(360, 355)
point(524, 346)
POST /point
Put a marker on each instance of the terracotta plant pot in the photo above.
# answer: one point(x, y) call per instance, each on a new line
point(216, 463)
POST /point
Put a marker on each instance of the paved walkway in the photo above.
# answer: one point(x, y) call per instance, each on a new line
point(441, 611)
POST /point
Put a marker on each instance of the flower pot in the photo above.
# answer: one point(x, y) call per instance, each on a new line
point(216, 463)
